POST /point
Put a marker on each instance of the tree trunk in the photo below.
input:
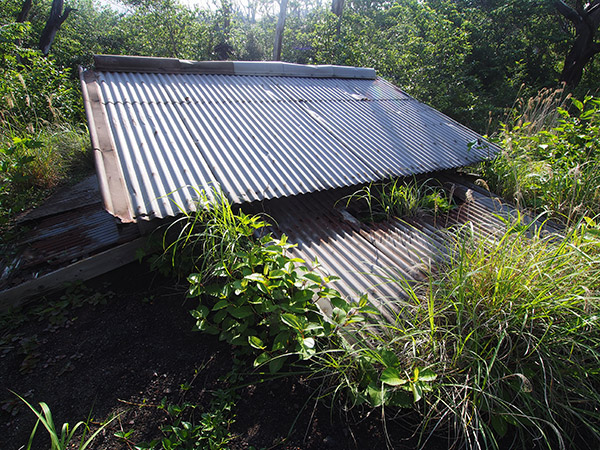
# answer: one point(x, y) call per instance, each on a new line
point(55, 20)
point(586, 20)
point(25, 8)
point(223, 49)
point(337, 7)
point(226, 7)
point(279, 31)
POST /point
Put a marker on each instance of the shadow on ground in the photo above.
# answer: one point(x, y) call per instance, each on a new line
point(128, 347)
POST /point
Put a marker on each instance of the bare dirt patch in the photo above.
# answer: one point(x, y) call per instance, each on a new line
point(129, 348)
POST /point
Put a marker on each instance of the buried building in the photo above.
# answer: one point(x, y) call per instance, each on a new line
point(285, 139)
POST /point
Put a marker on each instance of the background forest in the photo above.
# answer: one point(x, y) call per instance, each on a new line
point(468, 58)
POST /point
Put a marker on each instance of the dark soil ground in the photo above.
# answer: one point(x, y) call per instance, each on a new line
point(127, 345)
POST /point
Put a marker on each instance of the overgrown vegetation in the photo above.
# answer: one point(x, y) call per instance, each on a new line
point(549, 164)
point(489, 347)
point(510, 328)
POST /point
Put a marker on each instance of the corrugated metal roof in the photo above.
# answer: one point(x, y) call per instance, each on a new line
point(71, 225)
point(161, 137)
point(377, 258)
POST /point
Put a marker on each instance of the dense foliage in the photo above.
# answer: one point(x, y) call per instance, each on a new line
point(498, 339)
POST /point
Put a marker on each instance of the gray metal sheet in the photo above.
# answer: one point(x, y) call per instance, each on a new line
point(399, 138)
point(332, 89)
point(378, 258)
point(263, 137)
point(255, 158)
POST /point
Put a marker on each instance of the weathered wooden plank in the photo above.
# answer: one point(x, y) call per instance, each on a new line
point(110, 176)
point(80, 271)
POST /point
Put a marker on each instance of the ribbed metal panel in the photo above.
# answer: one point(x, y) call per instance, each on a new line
point(379, 258)
point(71, 225)
point(263, 137)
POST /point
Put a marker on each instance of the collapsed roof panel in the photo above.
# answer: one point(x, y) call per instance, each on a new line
point(379, 258)
point(165, 129)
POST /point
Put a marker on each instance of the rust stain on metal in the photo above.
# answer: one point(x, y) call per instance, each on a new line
point(378, 258)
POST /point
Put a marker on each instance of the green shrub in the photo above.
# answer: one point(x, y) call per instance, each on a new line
point(553, 171)
point(254, 295)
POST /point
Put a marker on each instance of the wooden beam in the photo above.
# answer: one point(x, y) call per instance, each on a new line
point(83, 270)
point(108, 167)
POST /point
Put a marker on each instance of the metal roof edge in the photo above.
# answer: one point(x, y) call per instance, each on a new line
point(110, 176)
point(119, 63)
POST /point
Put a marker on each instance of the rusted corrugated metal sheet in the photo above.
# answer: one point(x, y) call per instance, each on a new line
point(71, 225)
point(163, 130)
point(378, 258)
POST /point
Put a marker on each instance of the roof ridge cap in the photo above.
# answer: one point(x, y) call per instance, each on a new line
point(148, 64)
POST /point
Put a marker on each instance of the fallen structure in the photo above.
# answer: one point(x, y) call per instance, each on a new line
point(280, 138)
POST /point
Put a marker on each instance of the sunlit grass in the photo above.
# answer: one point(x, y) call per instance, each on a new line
point(60, 155)
point(508, 333)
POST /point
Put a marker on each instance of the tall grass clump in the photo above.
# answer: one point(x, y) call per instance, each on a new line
point(42, 142)
point(539, 112)
point(398, 197)
point(501, 349)
point(518, 318)
point(208, 238)
point(549, 163)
